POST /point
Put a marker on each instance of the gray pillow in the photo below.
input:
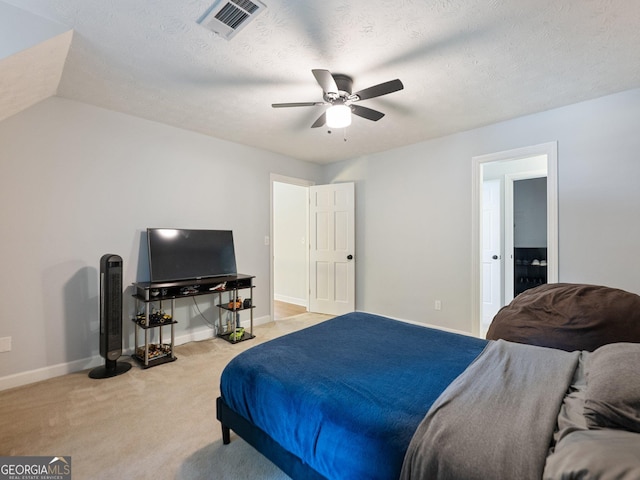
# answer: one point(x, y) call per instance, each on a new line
point(595, 455)
point(569, 316)
point(612, 397)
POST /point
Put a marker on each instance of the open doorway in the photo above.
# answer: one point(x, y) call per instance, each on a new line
point(498, 250)
point(514, 216)
point(526, 242)
point(289, 246)
point(322, 279)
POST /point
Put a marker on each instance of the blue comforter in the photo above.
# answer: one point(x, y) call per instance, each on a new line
point(346, 396)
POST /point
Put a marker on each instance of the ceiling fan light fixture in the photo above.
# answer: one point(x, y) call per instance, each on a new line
point(336, 93)
point(338, 116)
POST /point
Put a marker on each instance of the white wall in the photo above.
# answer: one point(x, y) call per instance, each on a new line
point(77, 182)
point(413, 208)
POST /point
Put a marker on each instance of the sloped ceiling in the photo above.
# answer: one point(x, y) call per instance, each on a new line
point(32, 75)
point(464, 64)
point(33, 51)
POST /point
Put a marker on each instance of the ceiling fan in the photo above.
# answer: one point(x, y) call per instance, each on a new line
point(337, 94)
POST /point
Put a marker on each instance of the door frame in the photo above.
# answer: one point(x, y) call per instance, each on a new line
point(273, 178)
point(550, 150)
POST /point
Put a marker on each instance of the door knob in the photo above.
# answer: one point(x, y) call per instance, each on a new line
point(349, 257)
point(495, 257)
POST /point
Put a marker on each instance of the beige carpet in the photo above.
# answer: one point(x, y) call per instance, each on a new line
point(157, 423)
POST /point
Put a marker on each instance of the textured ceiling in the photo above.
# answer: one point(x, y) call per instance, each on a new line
point(32, 75)
point(464, 64)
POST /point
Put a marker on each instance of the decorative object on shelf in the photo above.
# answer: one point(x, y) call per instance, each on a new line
point(148, 318)
point(155, 318)
point(155, 350)
point(230, 330)
point(190, 290)
point(237, 335)
point(235, 305)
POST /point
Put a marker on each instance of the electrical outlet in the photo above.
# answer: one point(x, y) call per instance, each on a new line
point(438, 305)
point(5, 344)
point(266, 240)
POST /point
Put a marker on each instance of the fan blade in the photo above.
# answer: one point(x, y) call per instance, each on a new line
point(326, 81)
point(380, 89)
point(320, 121)
point(367, 113)
point(299, 104)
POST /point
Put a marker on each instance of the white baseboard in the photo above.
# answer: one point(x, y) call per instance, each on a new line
point(45, 373)
point(293, 300)
point(428, 325)
point(257, 321)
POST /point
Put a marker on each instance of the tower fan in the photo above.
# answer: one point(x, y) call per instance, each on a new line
point(110, 318)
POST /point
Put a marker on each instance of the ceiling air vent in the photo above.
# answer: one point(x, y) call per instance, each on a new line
point(228, 17)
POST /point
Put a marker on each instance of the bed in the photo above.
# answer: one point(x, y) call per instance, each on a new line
point(362, 396)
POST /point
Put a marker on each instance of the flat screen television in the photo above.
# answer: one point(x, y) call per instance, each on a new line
point(181, 254)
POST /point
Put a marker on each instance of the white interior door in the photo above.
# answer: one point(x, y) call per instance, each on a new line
point(332, 248)
point(491, 251)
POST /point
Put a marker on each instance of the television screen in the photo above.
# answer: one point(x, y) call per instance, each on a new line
point(179, 254)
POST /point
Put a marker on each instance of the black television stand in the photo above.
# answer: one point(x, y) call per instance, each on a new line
point(152, 297)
